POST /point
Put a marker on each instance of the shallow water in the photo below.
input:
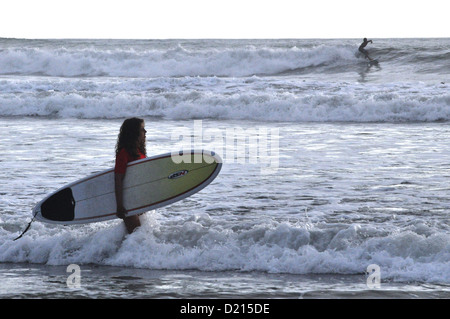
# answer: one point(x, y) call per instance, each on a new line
point(34, 281)
point(355, 194)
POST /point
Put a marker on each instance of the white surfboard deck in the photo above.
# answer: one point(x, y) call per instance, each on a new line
point(149, 183)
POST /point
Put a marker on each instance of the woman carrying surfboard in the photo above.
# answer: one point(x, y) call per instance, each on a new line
point(130, 147)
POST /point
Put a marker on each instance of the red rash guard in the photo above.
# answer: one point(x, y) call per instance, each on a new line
point(123, 158)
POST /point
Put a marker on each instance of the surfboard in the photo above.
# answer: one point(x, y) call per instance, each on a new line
point(149, 183)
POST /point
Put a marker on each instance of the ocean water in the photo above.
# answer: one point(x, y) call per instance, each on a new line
point(331, 166)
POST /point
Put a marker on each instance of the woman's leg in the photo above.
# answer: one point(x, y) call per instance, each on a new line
point(131, 223)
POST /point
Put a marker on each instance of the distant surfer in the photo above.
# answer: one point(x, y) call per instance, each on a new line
point(130, 147)
point(364, 51)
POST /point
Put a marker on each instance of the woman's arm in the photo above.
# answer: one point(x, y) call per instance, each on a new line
point(118, 181)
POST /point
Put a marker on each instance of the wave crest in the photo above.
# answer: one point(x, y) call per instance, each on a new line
point(120, 62)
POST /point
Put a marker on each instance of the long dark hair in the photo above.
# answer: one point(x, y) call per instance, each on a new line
point(128, 137)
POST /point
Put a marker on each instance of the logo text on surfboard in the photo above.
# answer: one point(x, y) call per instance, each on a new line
point(178, 174)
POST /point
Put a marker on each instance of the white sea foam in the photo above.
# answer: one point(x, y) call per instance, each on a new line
point(202, 244)
point(216, 98)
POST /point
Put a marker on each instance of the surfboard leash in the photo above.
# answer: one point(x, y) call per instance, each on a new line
point(28, 227)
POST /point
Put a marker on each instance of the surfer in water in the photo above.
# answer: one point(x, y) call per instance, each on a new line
point(364, 51)
point(130, 147)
